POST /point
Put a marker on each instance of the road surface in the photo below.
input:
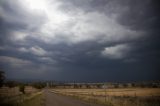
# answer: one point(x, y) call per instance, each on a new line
point(52, 99)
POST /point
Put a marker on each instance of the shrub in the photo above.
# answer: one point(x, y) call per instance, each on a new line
point(22, 88)
point(2, 77)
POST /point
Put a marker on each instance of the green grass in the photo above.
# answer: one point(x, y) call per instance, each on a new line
point(35, 101)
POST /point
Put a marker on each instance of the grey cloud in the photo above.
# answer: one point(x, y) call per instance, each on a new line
point(36, 50)
point(14, 61)
point(89, 39)
point(136, 12)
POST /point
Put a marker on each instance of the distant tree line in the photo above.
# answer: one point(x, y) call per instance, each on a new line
point(108, 85)
point(2, 78)
point(41, 85)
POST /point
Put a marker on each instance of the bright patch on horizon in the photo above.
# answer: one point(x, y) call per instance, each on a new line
point(37, 4)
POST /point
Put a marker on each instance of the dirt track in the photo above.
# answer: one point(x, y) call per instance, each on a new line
point(52, 99)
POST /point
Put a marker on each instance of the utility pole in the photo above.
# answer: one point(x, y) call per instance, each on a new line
point(105, 88)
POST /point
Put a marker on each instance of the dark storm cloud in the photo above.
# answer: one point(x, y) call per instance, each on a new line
point(80, 40)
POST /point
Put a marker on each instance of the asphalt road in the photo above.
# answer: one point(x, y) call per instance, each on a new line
point(52, 99)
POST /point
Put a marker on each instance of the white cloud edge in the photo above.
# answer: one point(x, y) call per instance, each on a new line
point(116, 52)
point(36, 50)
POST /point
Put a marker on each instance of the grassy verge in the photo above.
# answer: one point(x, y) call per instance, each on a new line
point(35, 101)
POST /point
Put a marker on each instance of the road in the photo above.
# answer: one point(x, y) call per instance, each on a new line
point(52, 99)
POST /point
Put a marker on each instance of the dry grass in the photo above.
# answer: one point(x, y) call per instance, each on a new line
point(34, 101)
point(132, 92)
point(117, 96)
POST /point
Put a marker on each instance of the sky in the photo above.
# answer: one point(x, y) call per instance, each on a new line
point(80, 40)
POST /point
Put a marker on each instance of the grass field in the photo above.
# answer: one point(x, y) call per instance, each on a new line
point(117, 96)
point(34, 99)
point(139, 92)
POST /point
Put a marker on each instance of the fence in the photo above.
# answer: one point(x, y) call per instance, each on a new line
point(13, 97)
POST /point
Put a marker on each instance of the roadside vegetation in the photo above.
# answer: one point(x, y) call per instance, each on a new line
point(33, 99)
point(37, 100)
point(14, 93)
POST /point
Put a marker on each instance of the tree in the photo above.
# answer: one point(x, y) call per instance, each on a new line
point(2, 78)
point(116, 86)
point(88, 86)
point(98, 85)
point(39, 85)
point(11, 84)
point(125, 85)
point(22, 88)
point(133, 84)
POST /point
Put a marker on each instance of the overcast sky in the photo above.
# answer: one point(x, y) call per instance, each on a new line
point(80, 40)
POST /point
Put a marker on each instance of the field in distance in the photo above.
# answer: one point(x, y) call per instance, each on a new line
point(140, 92)
point(116, 96)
